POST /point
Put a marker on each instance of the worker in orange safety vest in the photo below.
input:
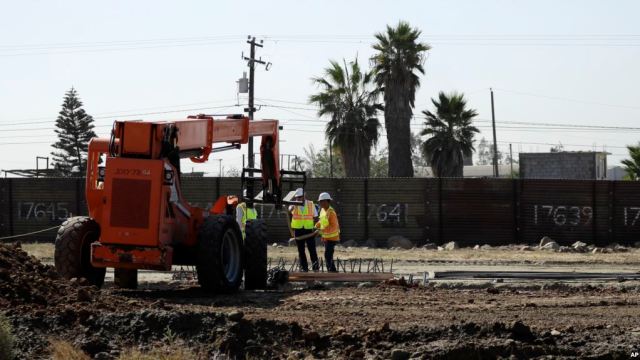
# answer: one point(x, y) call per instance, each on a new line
point(329, 229)
point(302, 223)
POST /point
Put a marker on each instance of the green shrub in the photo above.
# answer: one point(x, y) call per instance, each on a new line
point(6, 339)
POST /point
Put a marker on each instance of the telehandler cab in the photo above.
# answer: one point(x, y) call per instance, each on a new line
point(139, 219)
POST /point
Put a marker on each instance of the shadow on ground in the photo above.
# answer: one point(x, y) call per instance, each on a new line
point(192, 294)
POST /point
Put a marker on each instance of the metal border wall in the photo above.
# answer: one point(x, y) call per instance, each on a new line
point(469, 211)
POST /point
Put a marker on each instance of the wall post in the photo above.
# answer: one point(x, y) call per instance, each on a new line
point(366, 209)
point(594, 206)
point(440, 221)
point(10, 182)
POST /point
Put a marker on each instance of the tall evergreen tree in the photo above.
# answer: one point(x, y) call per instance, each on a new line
point(397, 65)
point(74, 128)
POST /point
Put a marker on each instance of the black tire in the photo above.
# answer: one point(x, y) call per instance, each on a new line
point(255, 255)
point(125, 278)
point(219, 263)
point(72, 254)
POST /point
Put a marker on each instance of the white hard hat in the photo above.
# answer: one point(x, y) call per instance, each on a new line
point(324, 196)
point(299, 192)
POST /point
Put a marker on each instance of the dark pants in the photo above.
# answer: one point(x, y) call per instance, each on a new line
point(311, 245)
point(328, 255)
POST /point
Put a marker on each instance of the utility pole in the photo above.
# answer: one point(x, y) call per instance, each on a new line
point(251, 61)
point(495, 141)
point(511, 159)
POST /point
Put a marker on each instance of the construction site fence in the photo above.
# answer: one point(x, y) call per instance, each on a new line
point(423, 210)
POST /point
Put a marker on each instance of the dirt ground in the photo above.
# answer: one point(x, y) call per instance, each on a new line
point(449, 320)
point(505, 255)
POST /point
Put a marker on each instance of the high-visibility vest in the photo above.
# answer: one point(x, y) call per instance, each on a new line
point(247, 214)
point(330, 232)
point(302, 216)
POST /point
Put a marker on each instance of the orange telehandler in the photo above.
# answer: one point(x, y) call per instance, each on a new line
point(139, 219)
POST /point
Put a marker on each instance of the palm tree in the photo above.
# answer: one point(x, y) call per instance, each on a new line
point(450, 134)
point(632, 166)
point(348, 98)
point(397, 65)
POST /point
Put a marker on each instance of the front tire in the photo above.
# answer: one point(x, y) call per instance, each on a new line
point(219, 263)
point(72, 254)
point(255, 255)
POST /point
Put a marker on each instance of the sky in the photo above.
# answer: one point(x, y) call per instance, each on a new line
point(560, 70)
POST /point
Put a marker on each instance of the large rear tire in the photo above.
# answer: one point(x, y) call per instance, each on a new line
point(125, 278)
point(219, 263)
point(72, 255)
point(255, 255)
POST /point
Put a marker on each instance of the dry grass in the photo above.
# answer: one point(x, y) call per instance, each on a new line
point(6, 339)
point(63, 350)
point(468, 254)
point(44, 251)
point(173, 352)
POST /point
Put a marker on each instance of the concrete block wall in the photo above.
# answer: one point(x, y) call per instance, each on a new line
point(562, 165)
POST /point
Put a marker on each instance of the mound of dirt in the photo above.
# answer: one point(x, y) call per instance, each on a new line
point(212, 334)
point(392, 320)
point(27, 284)
point(401, 282)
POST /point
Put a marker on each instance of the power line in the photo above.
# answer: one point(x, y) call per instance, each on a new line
point(57, 51)
point(569, 99)
point(592, 40)
point(324, 36)
point(26, 143)
point(504, 126)
point(284, 107)
point(28, 120)
point(552, 144)
point(117, 42)
point(98, 117)
point(283, 101)
point(287, 107)
point(167, 112)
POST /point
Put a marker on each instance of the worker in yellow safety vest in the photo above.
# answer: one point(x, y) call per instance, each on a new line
point(302, 223)
point(245, 213)
point(329, 229)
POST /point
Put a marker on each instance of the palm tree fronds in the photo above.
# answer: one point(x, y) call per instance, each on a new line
point(450, 134)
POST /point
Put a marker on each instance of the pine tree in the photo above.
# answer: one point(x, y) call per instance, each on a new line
point(74, 128)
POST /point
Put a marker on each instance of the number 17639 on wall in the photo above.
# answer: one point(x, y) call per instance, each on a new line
point(563, 215)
